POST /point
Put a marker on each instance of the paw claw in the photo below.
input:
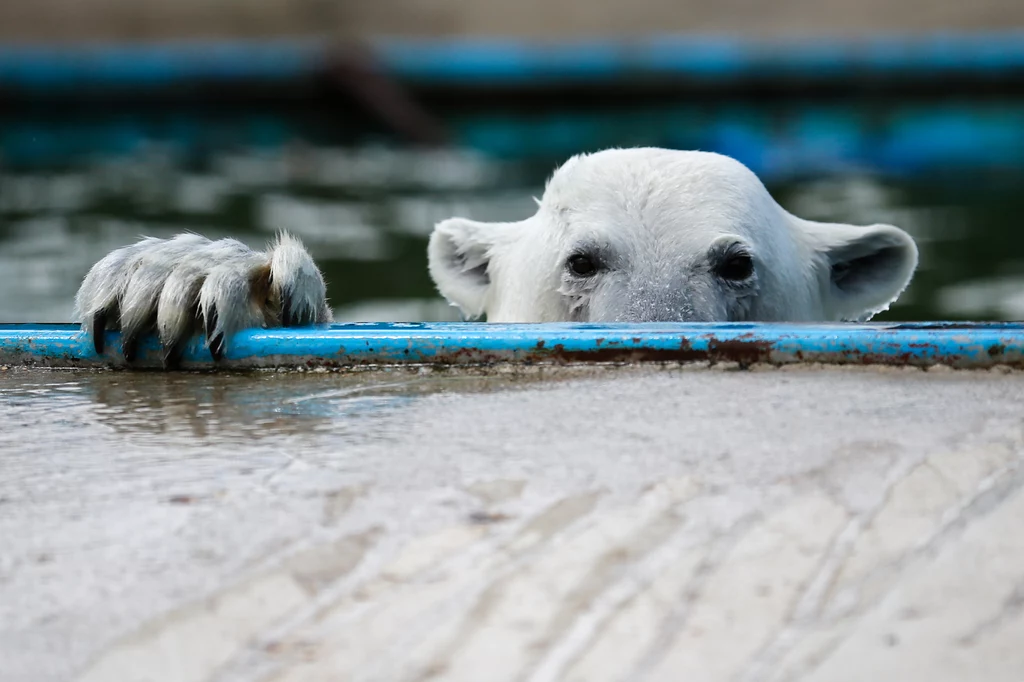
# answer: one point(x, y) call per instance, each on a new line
point(172, 356)
point(129, 347)
point(287, 319)
point(298, 283)
point(217, 347)
point(214, 337)
point(98, 331)
point(186, 285)
point(210, 317)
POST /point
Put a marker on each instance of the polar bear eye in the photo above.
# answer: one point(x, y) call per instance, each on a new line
point(736, 267)
point(581, 265)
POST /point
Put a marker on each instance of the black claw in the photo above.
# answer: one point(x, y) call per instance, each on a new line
point(172, 355)
point(99, 329)
point(217, 347)
point(215, 343)
point(211, 322)
point(130, 347)
point(286, 311)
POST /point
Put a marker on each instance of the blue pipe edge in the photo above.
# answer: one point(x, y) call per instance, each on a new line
point(44, 69)
point(959, 345)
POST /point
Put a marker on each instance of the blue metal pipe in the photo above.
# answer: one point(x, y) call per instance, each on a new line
point(961, 345)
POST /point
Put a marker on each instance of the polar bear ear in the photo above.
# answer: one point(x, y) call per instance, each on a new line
point(459, 255)
point(868, 267)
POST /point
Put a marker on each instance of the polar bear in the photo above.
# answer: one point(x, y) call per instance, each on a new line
point(633, 235)
point(645, 235)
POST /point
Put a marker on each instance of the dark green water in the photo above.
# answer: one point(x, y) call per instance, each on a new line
point(365, 213)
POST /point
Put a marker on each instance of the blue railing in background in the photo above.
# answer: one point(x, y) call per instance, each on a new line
point(44, 69)
point(792, 137)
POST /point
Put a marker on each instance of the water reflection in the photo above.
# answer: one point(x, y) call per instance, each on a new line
point(208, 407)
point(225, 407)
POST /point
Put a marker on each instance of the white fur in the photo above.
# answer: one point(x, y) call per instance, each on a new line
point(178, 305)
point(659, 221)
point(152, 267)
point(104, 285)
point(177, 286)
point(225, 303)
point(298, 283)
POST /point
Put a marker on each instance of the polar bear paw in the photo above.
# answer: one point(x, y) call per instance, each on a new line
point(188, 284)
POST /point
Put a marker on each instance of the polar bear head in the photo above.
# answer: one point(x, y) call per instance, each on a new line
point(646, 235)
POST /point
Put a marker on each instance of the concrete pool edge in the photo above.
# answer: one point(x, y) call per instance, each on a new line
point(964, 345)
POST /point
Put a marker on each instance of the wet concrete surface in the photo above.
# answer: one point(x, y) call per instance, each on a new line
point(551, 524)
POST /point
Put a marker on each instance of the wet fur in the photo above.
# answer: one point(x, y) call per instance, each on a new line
point(660, 224)
point(188, 284)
